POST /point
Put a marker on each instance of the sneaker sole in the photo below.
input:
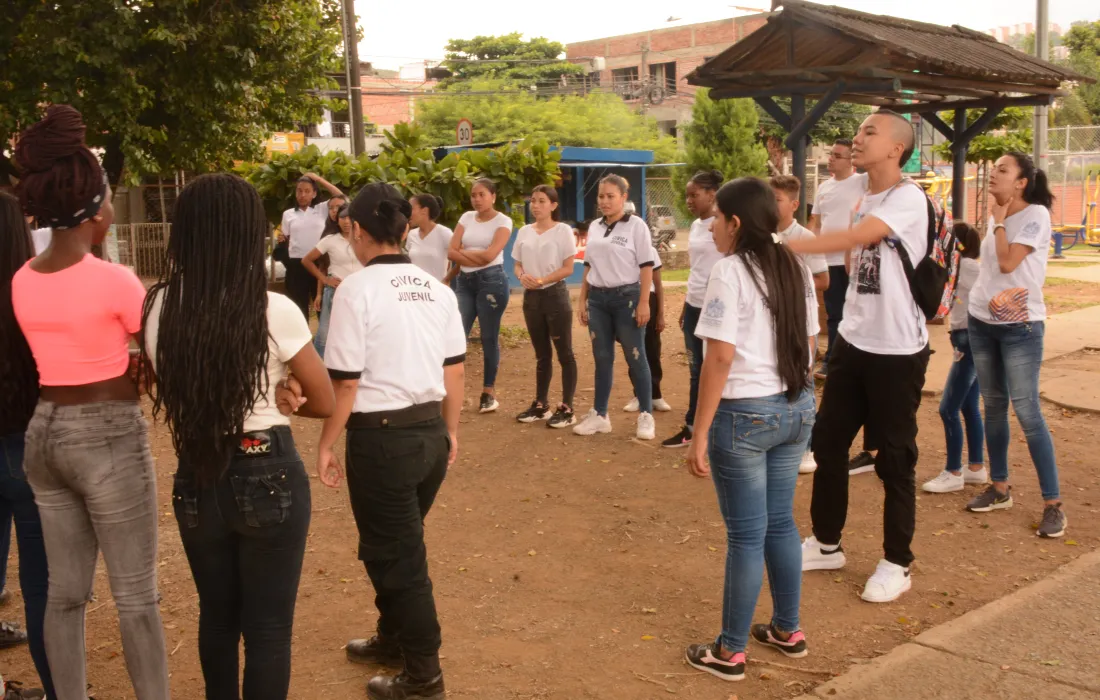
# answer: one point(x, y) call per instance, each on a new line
point(828, 565)
point(1053, 535)
point(789, 654)
point(861, 470)
point(644, 437)
point(529, 420)
point(492, 408)
point(436, 696)
point(716, 673)
point(1003, 505)
point(572, 422)
point(677, 446)
point(924, 487)
point(905, 589)
point(807, 470)
point(594, 432)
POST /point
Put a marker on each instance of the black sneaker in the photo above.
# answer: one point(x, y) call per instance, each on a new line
point(1054, 522)
point(990, 499)
point(374, 651)
point(536, 413)
point(794, 646)
point(11, 636)
point(680, 439)
point(488, 403)
point(562, 418)
point(14, 690)
point(404, 687)
point(704, 658)
point(861, 464)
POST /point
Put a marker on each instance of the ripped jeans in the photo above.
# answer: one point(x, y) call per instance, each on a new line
point(483, 296)
point(610, 318)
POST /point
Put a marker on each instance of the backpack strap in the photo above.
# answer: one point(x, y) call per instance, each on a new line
point(934, 223)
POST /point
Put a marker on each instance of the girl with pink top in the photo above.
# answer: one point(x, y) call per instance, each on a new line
point(87, 452)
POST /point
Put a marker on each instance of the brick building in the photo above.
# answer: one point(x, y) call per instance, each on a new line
point(665, 56)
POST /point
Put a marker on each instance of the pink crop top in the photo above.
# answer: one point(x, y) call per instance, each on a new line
point(78, 321)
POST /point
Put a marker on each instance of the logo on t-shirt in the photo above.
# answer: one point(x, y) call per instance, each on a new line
point(621, 241)
point(715, 311)
point(412, 281)
point(869, 271)
point(1031, 228)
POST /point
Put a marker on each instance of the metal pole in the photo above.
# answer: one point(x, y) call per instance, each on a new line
point(1042, 51)
point(355, 87)
point(958, 174)
point(644, 77)
point(798, 151)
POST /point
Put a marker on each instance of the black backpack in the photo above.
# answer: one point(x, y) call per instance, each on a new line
point(932, 281)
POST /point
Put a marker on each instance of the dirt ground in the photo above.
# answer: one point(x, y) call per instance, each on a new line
point(569, 567)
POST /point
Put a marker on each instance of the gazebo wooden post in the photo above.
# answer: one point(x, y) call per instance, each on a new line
point(959, 149)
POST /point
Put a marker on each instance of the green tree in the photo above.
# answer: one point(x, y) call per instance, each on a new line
point(508, 57)
point(507, 114)
point(1010, 131)
point(167, 84)
point(1083, 40)
point(1071, 110)
point(723, 136)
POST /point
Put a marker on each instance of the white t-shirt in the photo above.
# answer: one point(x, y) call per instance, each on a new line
point(814, 261)
point(968, 275)
point(41, 238)
point(1018, 296)
point(835, 206)
point(478, 235)
point(702, 254)
point(880, 315)
point(304, 228)
point(287, 333)
point(394, 326)
point(735, 312)
point(656, 266)
point(541, 254)
point(429, 253)
point(342, 262)
point(616, 254)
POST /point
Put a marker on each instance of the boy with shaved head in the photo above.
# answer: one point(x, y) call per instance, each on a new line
point(876, 371)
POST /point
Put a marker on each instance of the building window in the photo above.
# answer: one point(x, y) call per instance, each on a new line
point(667, 127)
point(664, 74)
point(624, 77)
point(594, 78)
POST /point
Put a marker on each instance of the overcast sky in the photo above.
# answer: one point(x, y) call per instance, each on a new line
point(420, 29)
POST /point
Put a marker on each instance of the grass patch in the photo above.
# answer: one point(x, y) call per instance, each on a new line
point(675, 275)
point(1062, 295)
point(511, 337)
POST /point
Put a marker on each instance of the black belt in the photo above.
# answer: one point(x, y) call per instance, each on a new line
point(400, 418)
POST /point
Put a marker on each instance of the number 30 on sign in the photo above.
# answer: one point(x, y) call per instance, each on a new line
point(464, 132)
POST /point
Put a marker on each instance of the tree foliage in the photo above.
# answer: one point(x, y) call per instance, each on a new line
point(167, 84)
point(408, 163)
point(1010, 131)
point(840, 122)
point(597, 119)
point(508, 57)
point(1083, 40)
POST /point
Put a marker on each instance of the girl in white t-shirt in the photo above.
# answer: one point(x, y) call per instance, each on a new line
point(428, 242)
point(543, 254)
point(221, 345)
point(1006, 326)
point(341, 264)
point(753, 420)
point(702, 254)
point(482, 285)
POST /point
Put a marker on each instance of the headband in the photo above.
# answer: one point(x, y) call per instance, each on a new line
point(86, 213)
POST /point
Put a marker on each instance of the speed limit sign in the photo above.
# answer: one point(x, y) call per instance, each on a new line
point(464, 132)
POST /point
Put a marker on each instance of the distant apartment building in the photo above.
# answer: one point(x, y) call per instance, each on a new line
point(1006, 34)
point(632, 64)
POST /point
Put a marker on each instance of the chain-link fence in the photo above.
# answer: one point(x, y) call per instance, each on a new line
point(663, 201)
point(1073, 168)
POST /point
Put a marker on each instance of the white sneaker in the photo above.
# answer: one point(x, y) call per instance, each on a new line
point(646, 428)
point(661, 405)
point(808, 465)
point(946, 482)
point(814, 558)
point(975, 477)
point(887, 583)
point(593, 423)
point(632, 407)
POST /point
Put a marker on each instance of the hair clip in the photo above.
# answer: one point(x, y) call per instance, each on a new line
point(776, 238)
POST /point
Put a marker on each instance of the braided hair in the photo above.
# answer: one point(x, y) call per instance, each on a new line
point(18, 371)
point(212, 344)
point(59, 175)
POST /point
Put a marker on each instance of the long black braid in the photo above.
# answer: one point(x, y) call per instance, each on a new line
point(212, 341)
point(18, 371)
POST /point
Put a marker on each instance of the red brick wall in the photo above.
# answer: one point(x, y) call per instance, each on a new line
point(723, 32)
point(585, 49)
point(668, 40)
point(394, 107)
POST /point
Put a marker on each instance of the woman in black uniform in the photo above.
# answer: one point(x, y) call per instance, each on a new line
point(395, 352)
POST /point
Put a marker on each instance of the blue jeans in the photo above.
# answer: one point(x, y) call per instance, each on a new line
point(961, 393)
point(1008, 357)
point(18, 501)
point(483, 295)
point(755, 448)
point(322, 320)
point(694, 347)
point(610, 318)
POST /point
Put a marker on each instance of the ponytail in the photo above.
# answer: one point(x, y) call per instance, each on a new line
point(1037, 190)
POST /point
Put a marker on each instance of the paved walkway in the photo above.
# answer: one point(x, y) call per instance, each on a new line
point(1041, 642)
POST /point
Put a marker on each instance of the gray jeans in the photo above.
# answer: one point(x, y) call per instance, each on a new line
point(93, 479)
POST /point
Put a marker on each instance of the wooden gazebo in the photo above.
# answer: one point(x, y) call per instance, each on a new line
point(833, 54)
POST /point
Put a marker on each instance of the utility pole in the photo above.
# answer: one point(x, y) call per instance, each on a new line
point(1042, 51)
point(355, 88)
point(643, 79)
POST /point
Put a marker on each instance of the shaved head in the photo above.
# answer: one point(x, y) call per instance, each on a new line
point(901, 130)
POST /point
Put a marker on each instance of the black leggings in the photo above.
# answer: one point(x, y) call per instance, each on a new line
point(549, 317)
point(653, 348)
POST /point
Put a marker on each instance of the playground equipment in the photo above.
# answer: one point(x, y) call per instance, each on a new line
point(938, 188)
point(1065, 237)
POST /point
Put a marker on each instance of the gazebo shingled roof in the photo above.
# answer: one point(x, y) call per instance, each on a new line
point(835, 54)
